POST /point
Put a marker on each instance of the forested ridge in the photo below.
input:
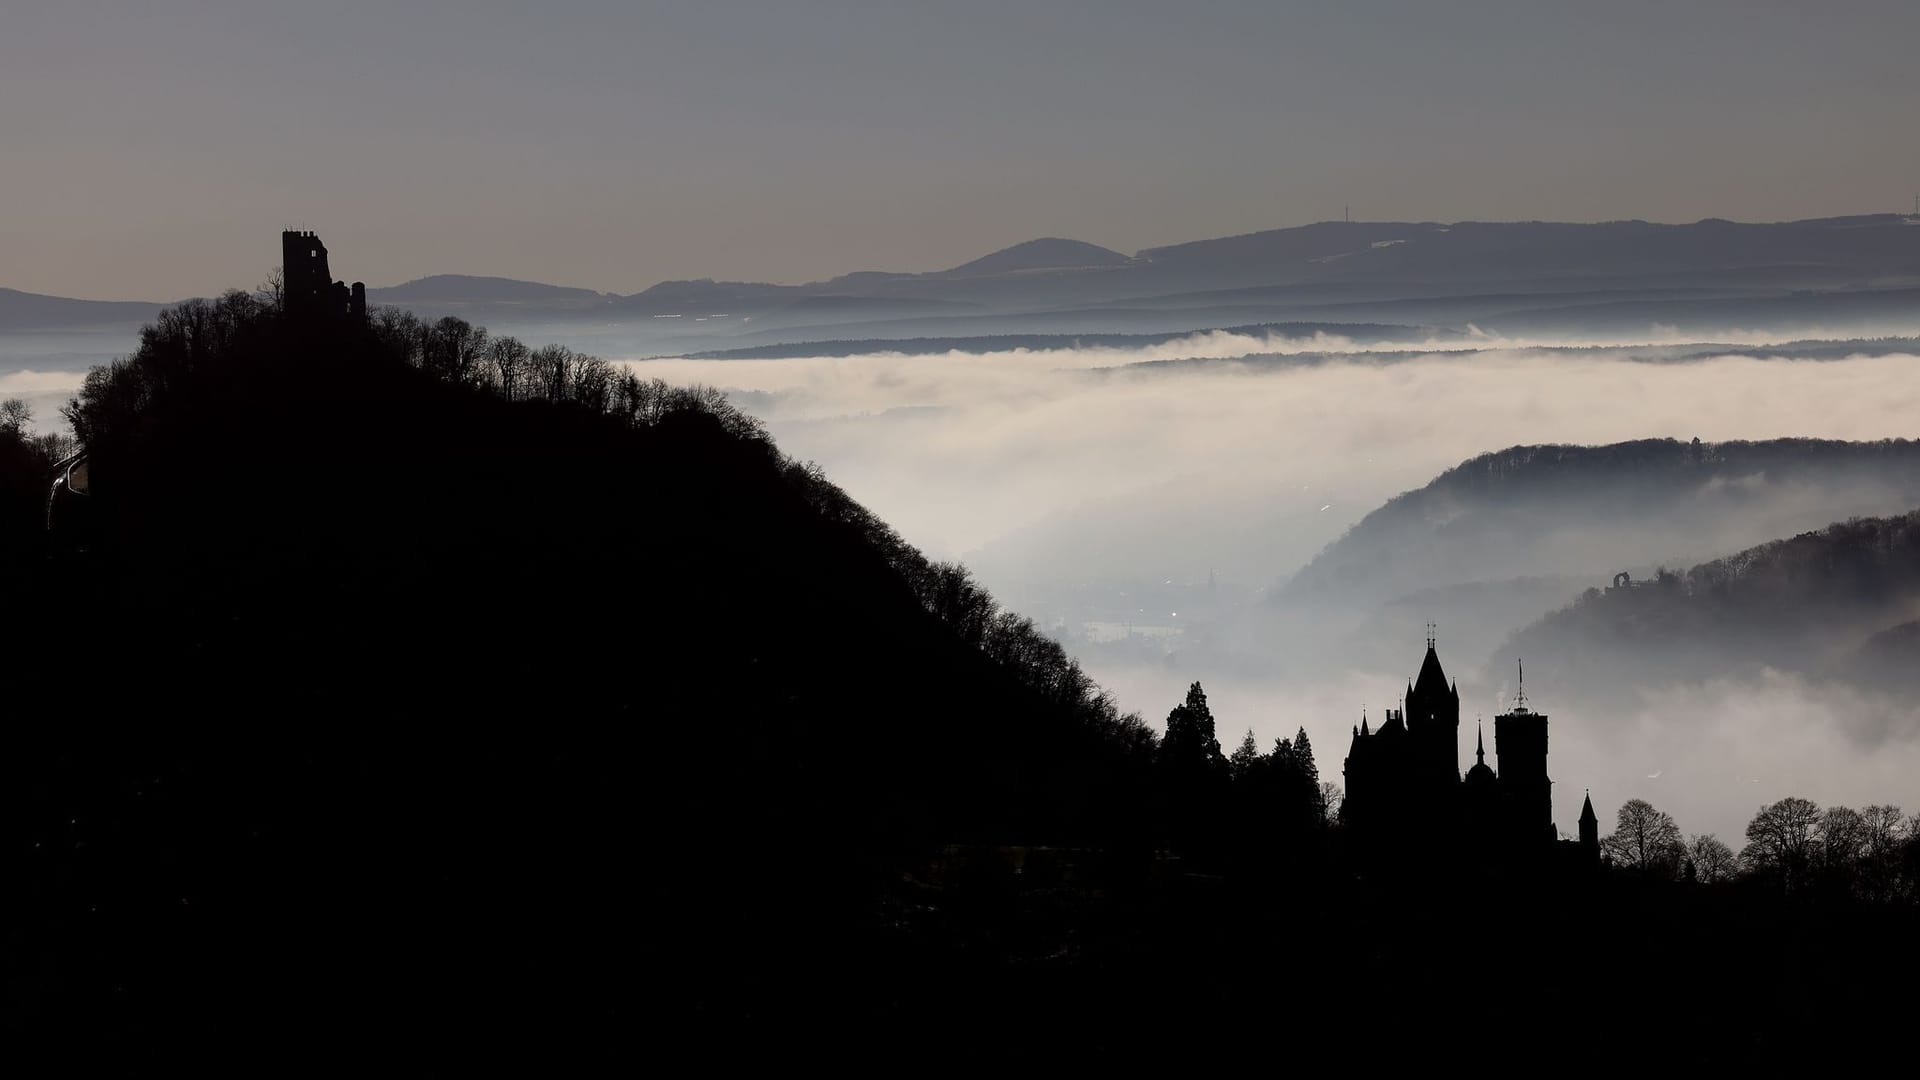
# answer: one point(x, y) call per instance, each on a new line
point(402, 685)
point(1568, 504)
point(1829, 602)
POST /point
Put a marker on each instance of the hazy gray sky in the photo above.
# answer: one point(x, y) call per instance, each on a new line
point(152, 148)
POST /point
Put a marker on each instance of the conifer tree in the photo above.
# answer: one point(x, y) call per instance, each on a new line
point(1191, 744)
point(1245, 759)
point(1303, 759)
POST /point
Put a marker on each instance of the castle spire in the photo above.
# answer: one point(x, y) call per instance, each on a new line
point(1589, 832)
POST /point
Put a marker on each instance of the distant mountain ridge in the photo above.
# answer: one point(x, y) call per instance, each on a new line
point(34, 311)
point(472, 289)
point(1614, 274)
point(1046, 253)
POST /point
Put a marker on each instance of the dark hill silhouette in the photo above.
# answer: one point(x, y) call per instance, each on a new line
point(1837, 600)
point(405, 691)
point(1492, 543)
point(1047, 253)
point(705, 296)
point(347, 637)
point(469, 289)
point(32, 311)
point(1551, 510)
point(1872, 245)
point(1889, 660)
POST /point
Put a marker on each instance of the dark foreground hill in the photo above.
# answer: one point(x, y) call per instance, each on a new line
point(398, 692)
point(351, 691)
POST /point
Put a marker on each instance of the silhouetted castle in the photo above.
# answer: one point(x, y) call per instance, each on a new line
point(1404, 784)
point(311, 292)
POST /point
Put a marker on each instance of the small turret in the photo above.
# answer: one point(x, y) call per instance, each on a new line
point(1480, 776)
point(1589, 832)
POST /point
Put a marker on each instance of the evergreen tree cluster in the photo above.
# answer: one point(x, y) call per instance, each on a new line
point(1245, 807)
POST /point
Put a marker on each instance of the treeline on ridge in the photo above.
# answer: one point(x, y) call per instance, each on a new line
point(199, 340)
point(1830, 602)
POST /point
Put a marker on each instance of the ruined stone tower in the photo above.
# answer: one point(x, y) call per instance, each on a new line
point(310, 291)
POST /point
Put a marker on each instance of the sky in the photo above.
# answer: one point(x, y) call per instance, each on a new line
point(152, 149)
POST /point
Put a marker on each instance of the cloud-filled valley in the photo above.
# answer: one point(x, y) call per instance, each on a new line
point(1075, 481)
point(1146, 504)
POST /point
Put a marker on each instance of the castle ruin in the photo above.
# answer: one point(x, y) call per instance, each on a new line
point(310, 293)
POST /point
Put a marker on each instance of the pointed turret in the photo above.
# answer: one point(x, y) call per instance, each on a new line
point(1589, 832)
point(1480, 776)
point(1433, 714)
point(1432, 681)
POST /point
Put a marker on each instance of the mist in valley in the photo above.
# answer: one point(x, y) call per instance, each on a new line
point(1150, 507)
point(1174, 512)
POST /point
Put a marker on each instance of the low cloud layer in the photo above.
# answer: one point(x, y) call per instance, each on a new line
point(961, 450)
point(1045, 468)
point(1048, 470)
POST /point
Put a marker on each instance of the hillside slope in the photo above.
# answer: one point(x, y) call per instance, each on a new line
point(508, 700)
point(1551, 510)
point(1839, 601)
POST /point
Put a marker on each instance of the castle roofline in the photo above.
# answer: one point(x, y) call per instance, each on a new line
point(1432, 680)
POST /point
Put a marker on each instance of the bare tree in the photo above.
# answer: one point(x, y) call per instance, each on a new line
point(509, 358)
point(1780, 840)
point(1645, 839)
point(1842, 834)
point(273, 291)
point(15, 415)
point(1331, 796)
point(454, 349)
point(1885, 830)
point(1712, 860)
point(551, 371)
